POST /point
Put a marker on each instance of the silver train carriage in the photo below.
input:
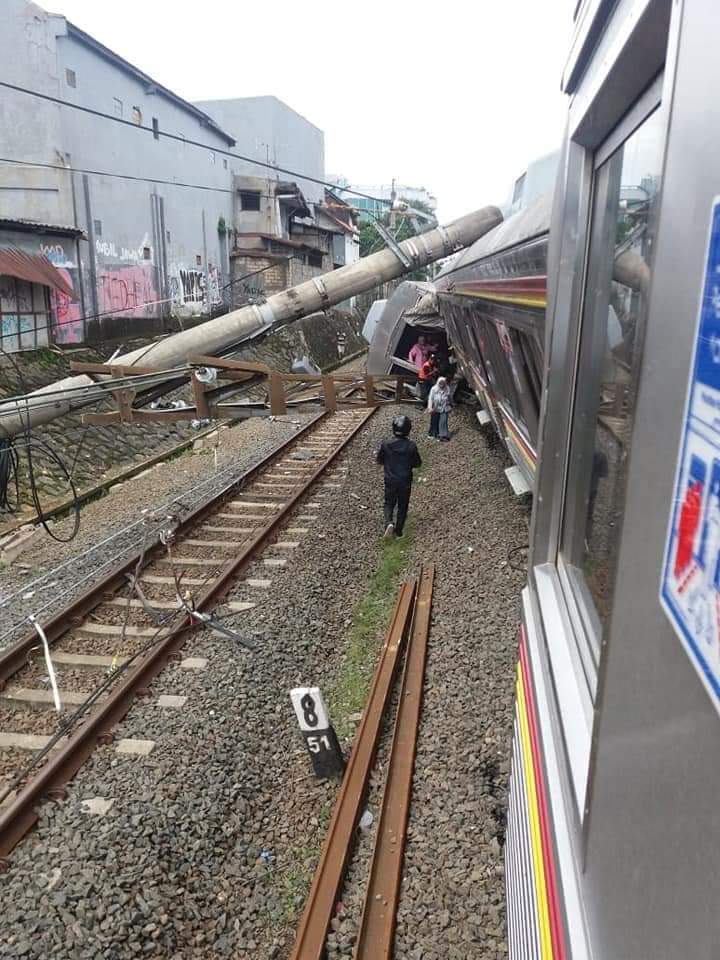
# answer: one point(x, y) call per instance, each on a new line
point(492, 302)
point(612, 400)
point(614, 818)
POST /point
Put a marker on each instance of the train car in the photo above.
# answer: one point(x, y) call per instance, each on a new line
point(399, 321)
point(492, 303)
point(489, 305)
point(614, 816)
point(589, 329)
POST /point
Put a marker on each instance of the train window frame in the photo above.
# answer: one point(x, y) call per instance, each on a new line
point(587, 626)
point(565, 613)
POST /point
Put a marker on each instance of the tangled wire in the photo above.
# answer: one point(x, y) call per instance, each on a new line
point(32, 448)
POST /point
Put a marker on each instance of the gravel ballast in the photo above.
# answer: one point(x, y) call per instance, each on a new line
point(210, 841)
point(33, 580)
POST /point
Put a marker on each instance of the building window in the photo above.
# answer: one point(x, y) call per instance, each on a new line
point(70, 77)
point(117, 107)
point(198, 260)
point(167, 236)
point(24, 315)
point(249, 199)
point(146, 253)
point(212, 156)
point(606, 379)
point(137, 116)
point(225, 162)
point(315, 258)
point(156, 128)
point(97, 227)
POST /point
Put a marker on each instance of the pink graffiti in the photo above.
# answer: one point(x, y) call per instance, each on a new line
point(130, 289)
point(68, 327)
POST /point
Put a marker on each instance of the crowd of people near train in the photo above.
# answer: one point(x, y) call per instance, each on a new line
point(436, 370)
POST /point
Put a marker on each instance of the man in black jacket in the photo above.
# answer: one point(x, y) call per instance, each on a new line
point(399, 457)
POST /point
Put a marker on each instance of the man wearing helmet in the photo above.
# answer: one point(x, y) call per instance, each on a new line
point(399, 457)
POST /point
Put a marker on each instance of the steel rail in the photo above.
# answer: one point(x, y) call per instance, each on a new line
point(312, 931)
point(377, 926)
point(20, 815)
point(13, 657)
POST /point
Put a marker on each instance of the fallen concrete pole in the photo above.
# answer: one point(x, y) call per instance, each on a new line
point(233, 328)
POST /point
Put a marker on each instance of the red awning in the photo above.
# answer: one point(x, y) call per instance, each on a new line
point(34, 268)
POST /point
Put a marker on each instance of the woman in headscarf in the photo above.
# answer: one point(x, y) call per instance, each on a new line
point(439, 405)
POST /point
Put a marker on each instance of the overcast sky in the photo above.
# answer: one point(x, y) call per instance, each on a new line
point(456, 96)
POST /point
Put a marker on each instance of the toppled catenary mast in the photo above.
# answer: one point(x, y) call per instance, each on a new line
point(233, 328)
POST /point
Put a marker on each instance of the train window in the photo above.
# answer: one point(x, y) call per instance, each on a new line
point(606, 379)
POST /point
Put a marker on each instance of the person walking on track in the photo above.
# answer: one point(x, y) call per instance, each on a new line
point(439, 405)
point(399, 456)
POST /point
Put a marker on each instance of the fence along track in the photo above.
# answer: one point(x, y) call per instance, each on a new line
point(20, 814)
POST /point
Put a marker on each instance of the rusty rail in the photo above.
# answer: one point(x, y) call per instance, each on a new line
point(312, 932)
point(20, 815)
point(377, 927)
point(13, 657)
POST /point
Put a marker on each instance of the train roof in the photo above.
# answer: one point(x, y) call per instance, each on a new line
point(527, 224)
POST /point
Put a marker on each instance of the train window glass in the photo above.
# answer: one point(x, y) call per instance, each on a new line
point(606, 379)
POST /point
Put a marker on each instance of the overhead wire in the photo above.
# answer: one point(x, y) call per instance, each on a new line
point(186, 141)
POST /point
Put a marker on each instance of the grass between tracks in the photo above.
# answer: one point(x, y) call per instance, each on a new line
point(348, 693)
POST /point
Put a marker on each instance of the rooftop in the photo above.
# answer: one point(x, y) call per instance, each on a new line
point(152, 86)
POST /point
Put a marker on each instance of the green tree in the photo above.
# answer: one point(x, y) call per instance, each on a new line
point(406, 226)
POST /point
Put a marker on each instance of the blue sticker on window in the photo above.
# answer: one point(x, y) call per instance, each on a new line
point(690, 588)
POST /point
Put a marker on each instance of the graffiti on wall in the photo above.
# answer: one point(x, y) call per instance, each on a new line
point(214, 285)
point(66, 311)
point(108, 250)
point(127, 288)
point(193, 285)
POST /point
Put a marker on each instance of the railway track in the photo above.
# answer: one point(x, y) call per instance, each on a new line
point(409, 626)
point(109, 643)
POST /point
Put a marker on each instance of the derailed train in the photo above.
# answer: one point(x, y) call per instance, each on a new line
point(589, 328)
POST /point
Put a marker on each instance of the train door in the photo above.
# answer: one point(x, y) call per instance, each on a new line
point(616, 763)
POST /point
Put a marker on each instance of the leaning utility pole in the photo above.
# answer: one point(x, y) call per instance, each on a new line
point(219, 335)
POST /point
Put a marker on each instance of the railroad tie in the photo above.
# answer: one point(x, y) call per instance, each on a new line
point(117, 630)
point(86, 661)
point(160, 604)
point(186, 562)
point(186, 581)
point(226, 529)
point(40, 699)
point(22, 741)
point(222, 544)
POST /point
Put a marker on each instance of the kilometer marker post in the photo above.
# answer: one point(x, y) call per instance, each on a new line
point(319, 734)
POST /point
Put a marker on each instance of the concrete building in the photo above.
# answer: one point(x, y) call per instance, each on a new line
point(280, 241)
point(268, 130)
point(283, 227)
point(138, 211)
point(383, 192)
point(135, 243)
